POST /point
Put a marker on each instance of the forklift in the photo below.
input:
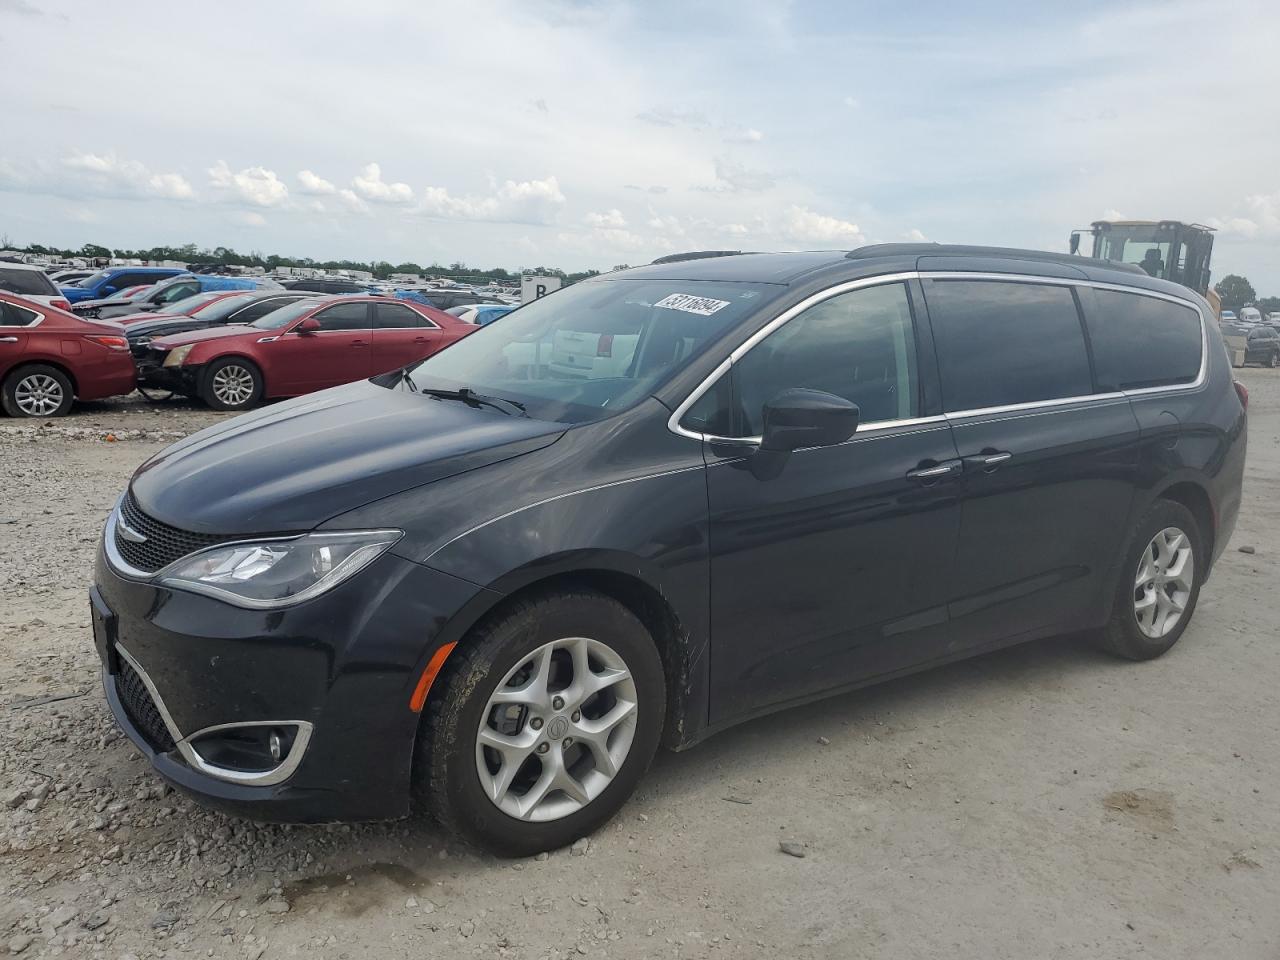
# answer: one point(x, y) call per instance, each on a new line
point(1167, 249)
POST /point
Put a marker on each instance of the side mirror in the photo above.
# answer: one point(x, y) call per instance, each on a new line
point(807, 418)
point(307, 326)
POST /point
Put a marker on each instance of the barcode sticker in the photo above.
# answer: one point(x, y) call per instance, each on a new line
point(702, 306)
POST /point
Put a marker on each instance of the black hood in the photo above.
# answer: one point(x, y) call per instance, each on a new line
point(296, 464)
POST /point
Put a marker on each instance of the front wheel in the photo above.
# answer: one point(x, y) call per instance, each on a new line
point(1159, 584)
point(231, 383)
point(543, 723)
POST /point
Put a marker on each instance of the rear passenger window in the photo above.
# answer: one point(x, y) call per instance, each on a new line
point(392, 316)
point(1143, 342)
point(1002, 343)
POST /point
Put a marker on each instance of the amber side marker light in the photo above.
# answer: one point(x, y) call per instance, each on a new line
point(429, 676)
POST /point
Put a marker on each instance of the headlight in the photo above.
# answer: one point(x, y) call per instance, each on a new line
point(178, 355)
point(278, 573)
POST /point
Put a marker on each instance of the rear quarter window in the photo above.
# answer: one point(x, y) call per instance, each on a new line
point(1002, 343)
point(1139, 341)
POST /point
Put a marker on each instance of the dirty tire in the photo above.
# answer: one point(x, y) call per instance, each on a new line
point(209, 384)
point(447, 783)
point(40, 373)
point(1122, 636)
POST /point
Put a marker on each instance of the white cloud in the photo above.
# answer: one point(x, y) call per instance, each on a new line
point(610, 218)
point(736, 177)
point(915, 235)
point(113, 174)
point(675, 117)
point(743, 135)
point(526, 201)
point(853, 103)
point(370, 185)
point(803, 225)
point(353, 203)
point(314, 184)
point(254, 185)
point(248, 218)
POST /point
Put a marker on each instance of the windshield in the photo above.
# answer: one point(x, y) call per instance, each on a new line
point(30, 282)
point(189, 305)
point(221, 306)
point(592, 348)
point(285, 315)
point(1138, 245)
point(92, 280)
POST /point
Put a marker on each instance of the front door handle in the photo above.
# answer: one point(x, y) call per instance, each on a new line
point(936, 472)
point(359, 343)
point(988, 460)
point(8, 339)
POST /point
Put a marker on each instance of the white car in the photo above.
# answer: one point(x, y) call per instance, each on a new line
point(31, 282)
point(1250, 315)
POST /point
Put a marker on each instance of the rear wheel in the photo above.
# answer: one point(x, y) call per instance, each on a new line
point(543, 724)
point(231, 383)
point(1159, 584)
point(37, 391)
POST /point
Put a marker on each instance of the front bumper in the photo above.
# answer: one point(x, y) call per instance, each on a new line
point(344, 664)
point(183, 379)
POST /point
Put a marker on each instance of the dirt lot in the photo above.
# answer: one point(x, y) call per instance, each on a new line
point(1042, 802)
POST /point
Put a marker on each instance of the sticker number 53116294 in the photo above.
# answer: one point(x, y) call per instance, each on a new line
point(702, 306)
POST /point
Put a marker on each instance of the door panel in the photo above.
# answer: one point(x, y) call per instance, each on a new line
point(836, 570)
point(837, 566)
point(339, 352)
point(401, 336)
point(1040, 529)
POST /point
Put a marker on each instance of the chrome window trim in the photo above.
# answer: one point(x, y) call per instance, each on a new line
point(259, 778)
point(673, 422)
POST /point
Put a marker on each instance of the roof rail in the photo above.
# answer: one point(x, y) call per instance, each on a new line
point(961, 250)
point(698, 255)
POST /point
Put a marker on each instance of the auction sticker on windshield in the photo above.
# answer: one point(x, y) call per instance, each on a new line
point(702, 306)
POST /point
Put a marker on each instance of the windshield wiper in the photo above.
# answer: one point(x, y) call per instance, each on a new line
point(470, 397)
point(407, 379)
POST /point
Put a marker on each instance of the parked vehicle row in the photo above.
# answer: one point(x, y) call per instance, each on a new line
point(168, 291)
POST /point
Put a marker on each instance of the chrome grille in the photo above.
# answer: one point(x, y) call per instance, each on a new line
point(163, 544)
point(142, 710)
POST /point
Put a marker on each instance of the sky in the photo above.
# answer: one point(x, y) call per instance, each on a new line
point(589, 133)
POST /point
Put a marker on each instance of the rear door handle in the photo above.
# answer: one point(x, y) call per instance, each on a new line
point(936, 472)
point(359, 343)
point(8, 339)
point(987, 461)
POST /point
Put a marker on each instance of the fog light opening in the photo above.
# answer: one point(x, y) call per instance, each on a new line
point(245, 748)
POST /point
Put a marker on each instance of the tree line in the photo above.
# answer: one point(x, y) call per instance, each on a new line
point(192, 255)
point(1237, 292)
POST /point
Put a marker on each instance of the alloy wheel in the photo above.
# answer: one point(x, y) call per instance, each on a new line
point(557, 729)
point(233, 385)
point(1163, 582)
point(38, 395)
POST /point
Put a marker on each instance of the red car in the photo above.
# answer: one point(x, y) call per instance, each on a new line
point(306, 346)
point(49, 356)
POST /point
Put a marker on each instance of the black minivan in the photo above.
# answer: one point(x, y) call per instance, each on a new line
point(654, 504)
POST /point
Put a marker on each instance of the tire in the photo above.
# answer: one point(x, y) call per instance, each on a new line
point(451, 755)
point(231, 383)
point(37, 390)
point(1125, 635)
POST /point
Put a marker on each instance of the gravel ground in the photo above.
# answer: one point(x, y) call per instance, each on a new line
point(1041, 802)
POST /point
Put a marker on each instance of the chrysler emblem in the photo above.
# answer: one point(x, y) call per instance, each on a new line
point(130, 534)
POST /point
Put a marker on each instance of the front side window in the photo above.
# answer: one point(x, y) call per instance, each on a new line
point(345, 316)
point(858, 345)
point(1002, 343)
point(594, 347)
point(1140, 341)
point(176, 291)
